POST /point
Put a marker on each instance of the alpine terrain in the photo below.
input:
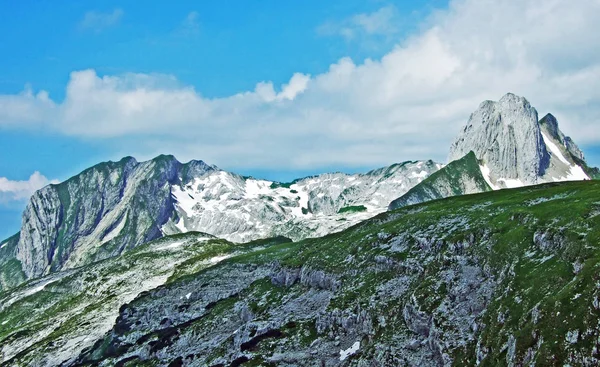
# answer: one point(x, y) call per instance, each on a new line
point(490, 260)
point(114, 207)
point(511, 149)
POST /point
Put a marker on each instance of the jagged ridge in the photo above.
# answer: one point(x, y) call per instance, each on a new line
point(114, 207)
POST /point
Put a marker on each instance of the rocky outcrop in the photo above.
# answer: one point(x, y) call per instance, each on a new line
point(506, 136)
point(105, 210)
point(305, 276)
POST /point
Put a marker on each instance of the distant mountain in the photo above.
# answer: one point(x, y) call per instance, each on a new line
point(459, 177)
point(515, 148)
point(503, 145)
point(114, 207)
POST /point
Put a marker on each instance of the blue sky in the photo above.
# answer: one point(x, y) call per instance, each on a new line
point(276, 89)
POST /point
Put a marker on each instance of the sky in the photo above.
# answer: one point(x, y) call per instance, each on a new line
point(277, 89)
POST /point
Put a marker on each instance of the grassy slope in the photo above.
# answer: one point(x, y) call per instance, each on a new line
point(545, 291)
point(449, 181)
point(78, 301)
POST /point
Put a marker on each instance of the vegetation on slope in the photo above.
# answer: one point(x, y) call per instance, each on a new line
point(353, 209)
point(459, 177)
point(498, 278)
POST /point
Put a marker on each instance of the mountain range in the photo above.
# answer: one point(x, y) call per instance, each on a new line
point(165, 263)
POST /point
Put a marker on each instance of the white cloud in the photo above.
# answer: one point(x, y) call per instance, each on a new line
point(98, 21)
point(190, 26)
point(407, 105)
point(22, 190)
point(380, 22)
point(297, 85)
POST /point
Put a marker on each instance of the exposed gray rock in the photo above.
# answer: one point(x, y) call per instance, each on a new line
point(518, 150)
point(506, 136)
point(306, 276)
point(116, 206)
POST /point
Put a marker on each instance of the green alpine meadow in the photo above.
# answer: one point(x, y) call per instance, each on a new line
point(497, 278)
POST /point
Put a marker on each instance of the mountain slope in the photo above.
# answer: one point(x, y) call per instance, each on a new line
point(460, 177)
point(569, 158)
point(501, 278)
point(114, 207)
point(68, 311)
point(11, 273)
point(105, 210)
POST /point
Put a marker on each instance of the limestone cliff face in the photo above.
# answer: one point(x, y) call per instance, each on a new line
point(506, 136)
point(39, 231)
point(518, 150)
point(99, 213)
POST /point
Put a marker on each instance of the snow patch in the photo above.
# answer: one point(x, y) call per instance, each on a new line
point(302, 203)
point(28, 292)
point(555, 150)
point(116, 231)
point(187, 296)
point(421, 174)
point(217, 259)
point(3, 245)
point(575, 173)
point(255, 188)
point(170, 246)
point(486, 173)
point(350, 351)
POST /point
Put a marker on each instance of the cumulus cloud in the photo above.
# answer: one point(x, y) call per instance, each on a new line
point(22, 190)
point(99, 21)
point(407, 105)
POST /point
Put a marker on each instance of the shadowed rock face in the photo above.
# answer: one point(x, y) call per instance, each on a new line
point(102, 212)
point(506, 136)
point(550, 123)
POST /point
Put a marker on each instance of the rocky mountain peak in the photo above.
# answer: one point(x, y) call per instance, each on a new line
point(515, 148)
point(196, 168)
point(506, 136)
point(551, 124)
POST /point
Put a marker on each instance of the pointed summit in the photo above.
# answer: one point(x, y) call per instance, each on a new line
point(505, 135)
point(516, 149)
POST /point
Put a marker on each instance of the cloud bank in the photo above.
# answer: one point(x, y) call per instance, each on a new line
point(407, 105)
